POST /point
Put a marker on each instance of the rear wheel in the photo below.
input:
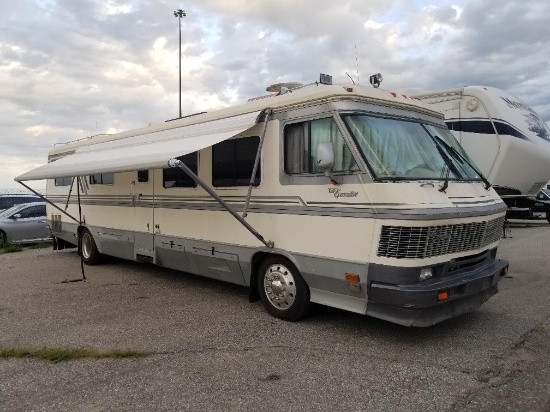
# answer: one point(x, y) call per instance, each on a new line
point(90, 254)
point(548, 216)
point(3, 238)
point(283, 291)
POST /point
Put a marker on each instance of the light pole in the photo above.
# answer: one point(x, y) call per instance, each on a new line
point(179, 13)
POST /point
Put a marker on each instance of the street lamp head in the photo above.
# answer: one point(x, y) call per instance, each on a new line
point(179, 13)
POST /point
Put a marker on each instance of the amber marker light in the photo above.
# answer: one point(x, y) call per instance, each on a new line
point(442, 295)
point(353, 278)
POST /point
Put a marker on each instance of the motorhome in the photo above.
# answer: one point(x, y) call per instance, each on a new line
point(503, 136)
point(341, 195)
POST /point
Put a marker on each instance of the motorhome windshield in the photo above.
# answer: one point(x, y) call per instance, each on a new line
point(457, 155)
point(405, 149)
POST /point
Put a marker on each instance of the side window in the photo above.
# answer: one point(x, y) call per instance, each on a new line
point(175, 177)
point(102, 179)
point(63, 181)
point(233, 162)
point(143, 176)
point(300, 147)
point(33, 211)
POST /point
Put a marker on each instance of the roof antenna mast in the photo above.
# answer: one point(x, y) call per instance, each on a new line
point(356, 63)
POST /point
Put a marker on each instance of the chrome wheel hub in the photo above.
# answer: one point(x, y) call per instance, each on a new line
point(279, 286)
point(87, 245)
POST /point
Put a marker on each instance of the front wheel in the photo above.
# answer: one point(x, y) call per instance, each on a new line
point(3, 239)
point(548, 216)
point(88, 248)
point(283, 291)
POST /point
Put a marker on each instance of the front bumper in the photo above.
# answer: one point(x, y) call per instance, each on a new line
point(418, 305)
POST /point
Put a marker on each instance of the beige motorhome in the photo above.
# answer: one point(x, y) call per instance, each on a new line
point(347, 196)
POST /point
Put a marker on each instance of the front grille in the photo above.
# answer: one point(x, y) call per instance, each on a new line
point(403, 242)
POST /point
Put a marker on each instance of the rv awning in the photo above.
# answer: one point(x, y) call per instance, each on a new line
point(141, 152)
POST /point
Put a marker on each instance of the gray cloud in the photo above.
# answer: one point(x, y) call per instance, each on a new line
point(71, 69)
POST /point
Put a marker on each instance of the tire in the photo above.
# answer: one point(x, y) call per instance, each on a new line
point(88, 248)
point(3, 239)
point(283, 291)
point(547, 218)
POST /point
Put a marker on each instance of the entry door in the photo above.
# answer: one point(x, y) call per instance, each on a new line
point(142, 194)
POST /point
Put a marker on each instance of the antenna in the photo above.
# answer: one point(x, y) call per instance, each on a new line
point(356, 64)
point(353, 81)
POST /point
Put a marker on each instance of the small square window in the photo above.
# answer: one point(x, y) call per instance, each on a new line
point(143, 176)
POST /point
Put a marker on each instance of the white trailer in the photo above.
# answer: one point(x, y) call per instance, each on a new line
point(503, 136)
point(346, 196)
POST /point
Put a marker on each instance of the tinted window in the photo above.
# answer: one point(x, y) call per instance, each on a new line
point(143, 176)
point(175, 177)
point(33, 211)
point(233, 162)
point(63, 181)
point(9, 201)
point(102, 179)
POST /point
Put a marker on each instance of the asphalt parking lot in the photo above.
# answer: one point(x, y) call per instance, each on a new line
point(209, 349)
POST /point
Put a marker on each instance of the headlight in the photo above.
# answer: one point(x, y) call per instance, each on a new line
point(425, 274)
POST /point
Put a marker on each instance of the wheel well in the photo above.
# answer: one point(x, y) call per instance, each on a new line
point(257, 260)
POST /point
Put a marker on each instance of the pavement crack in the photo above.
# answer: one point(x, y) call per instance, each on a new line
point(507, 366)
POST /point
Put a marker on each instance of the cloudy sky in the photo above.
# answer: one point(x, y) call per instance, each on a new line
point(75, 68)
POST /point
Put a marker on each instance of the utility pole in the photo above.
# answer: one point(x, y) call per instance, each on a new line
point(179, 13)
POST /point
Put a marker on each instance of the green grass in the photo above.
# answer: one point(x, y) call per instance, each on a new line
point(15, 247)
point(10, 248)
point(62, 355)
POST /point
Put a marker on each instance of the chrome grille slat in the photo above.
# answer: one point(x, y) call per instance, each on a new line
point(404, 242)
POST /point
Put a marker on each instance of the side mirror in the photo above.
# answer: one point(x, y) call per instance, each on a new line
point(16, 216)
point(325, 156)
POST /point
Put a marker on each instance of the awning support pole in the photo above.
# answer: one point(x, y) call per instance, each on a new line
point(69, 196)
point(201, 183)
point(47, 201)
point(256, 163)
point(78, 232)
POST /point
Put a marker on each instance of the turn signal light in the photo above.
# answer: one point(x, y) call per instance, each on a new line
point(504, 270)
point(443, 295)
point(353, 278)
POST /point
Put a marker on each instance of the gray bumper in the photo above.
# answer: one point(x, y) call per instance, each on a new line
point(417, 304)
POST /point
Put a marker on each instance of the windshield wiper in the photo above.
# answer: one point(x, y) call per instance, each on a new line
point(463, 159)
point(446, 181)
point(449, 163)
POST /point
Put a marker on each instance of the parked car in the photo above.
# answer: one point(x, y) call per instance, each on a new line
point(542, 203)
point(7, 201)
point(530, 207)
point(24, 223)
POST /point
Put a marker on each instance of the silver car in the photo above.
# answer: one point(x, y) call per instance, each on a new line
point(25, 223)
